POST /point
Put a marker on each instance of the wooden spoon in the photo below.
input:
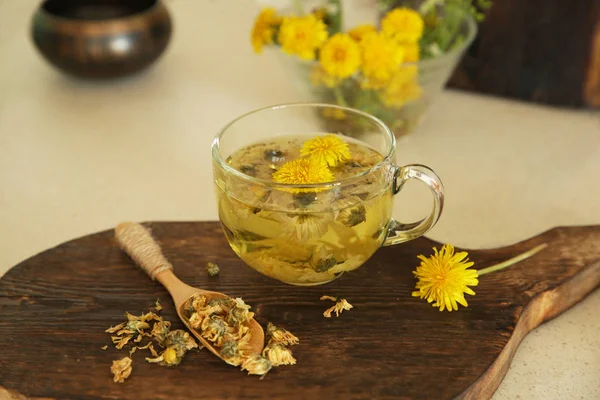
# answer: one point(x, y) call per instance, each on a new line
point(136, 241)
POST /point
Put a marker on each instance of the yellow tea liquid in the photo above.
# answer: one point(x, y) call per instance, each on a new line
point(304, 238)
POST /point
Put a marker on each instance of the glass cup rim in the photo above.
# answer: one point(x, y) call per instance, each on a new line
point(318, 186)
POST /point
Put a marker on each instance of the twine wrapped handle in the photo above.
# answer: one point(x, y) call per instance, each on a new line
point(137, 242)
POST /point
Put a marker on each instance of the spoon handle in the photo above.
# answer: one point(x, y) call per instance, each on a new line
point(136, 240)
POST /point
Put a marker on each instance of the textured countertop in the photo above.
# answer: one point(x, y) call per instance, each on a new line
point(79, 157)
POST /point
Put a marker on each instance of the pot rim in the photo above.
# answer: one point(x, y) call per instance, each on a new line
point(156, 4)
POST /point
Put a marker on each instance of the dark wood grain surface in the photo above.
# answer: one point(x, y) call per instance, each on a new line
point(543, 51)
point(55, 307)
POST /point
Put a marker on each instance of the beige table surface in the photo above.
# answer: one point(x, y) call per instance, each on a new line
point(78, 157)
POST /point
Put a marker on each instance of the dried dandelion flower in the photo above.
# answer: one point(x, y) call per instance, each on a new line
point(181, 341)
point(121, 369)
point(170, 356)
point(160, 330)
point(212, 269)
point(338, 307)
point(256, 365)
point(281, 335)
point(303, 171)
point(240, 313)
point(330, 150)
point(305, 226)
point(104, 347)
point(278, 354)
point(213, 328)
point(158, 306)
point(198, 301)
point(231, 353)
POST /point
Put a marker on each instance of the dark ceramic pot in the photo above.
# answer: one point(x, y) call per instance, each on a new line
point(101, 39)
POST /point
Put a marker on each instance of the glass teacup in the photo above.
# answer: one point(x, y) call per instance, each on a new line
point(310, 234)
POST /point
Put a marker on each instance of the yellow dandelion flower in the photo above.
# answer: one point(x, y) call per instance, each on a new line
point(403, 88)
point(444, 278)
point(264, 29)
point(303, 171)
point(340, 56)
point(403, 24)
point(411, 52)
point(302, 36)
point(381, 58)
point(329, 150)
point(360, 32)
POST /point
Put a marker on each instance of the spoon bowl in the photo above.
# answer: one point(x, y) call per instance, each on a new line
point(137, 242)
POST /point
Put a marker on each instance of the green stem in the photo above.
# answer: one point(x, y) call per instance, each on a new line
point(336, 19)
point(512, 261)
point(339, 97)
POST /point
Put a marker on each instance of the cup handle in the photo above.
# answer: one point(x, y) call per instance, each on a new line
point(398, 232)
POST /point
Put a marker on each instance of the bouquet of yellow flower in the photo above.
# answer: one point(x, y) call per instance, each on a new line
point(379, 70)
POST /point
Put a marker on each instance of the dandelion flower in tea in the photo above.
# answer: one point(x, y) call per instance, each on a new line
point(330, 150)
point(307, 235)
point(303, 171)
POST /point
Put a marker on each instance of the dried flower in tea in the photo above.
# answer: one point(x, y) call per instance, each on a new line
point(352, 216)
point(278, 354)
point(281, 335)
point(158, 306)
point(104, 347)
point(121, 369)
point(338, 307)
point(212, 269)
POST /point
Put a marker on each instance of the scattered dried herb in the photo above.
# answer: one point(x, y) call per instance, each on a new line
point(338, 307)
point(149, 325)
point(121, 369)
point(223, 321)
point(281, 335)
point(278, 354)
point(212, 269)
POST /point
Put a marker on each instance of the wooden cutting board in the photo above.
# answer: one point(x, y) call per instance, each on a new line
point(55, 307)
